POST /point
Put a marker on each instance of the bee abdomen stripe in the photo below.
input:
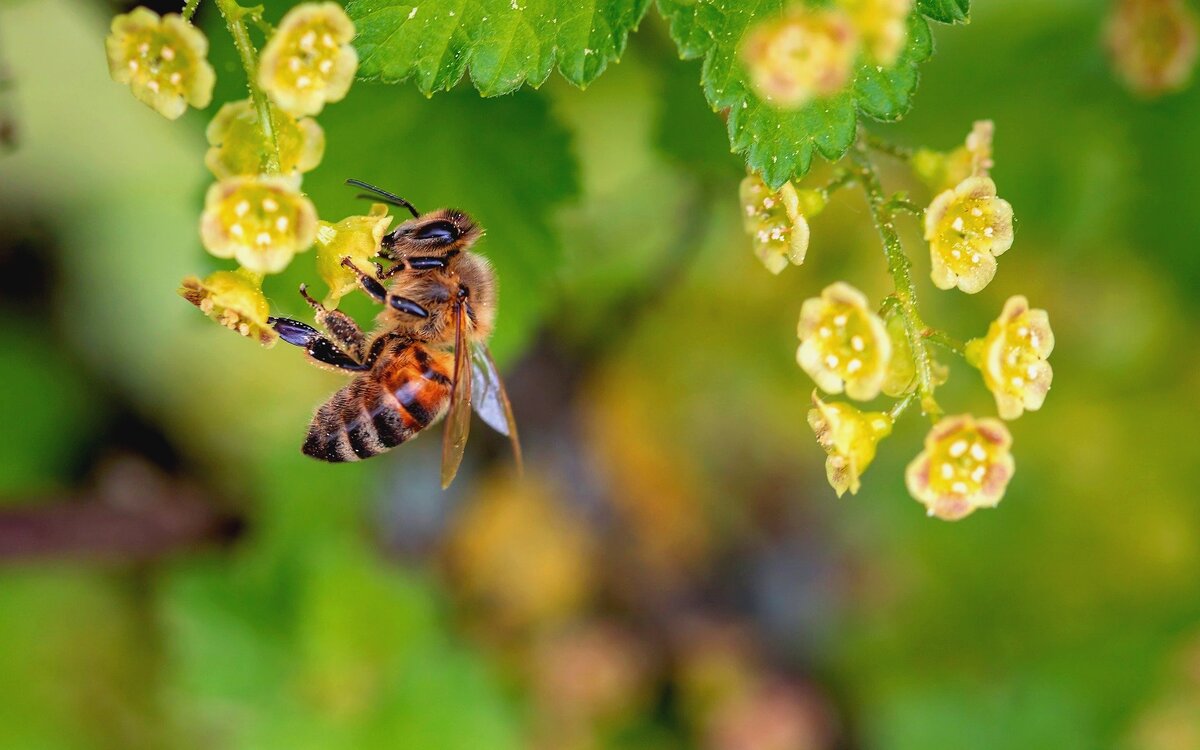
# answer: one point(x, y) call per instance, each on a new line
point(409, 397)
point(360, 429)
point(328, 446)
point(390, 423)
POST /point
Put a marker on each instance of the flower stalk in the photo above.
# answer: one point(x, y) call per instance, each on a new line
point(900, 268)
point(235, 20)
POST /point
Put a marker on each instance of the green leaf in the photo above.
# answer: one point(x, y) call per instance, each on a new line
point(945, 11)
point(502, 43)
point(777, 143)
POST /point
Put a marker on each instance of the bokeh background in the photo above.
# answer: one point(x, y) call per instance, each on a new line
point(672, 571)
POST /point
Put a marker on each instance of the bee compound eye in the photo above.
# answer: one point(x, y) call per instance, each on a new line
point(437, 231)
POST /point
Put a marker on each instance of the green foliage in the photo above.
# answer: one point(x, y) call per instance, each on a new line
point(502, 43)
point(945, 11)
point(777, 143)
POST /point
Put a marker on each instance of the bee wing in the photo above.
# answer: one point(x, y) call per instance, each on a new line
point(458, 419)
point(490, 399)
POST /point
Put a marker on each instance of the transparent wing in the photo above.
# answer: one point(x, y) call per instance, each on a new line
point(458, 419)
point(490, 399)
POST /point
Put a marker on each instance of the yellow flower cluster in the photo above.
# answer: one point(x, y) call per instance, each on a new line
point(258, 149)
point(810, 53)
point(846, 347)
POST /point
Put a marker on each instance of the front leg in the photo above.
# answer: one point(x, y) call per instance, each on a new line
point(341, 328)
point(376, 292)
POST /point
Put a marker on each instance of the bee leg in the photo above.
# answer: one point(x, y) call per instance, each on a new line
point(341, 328)
point(383, 274)
point(320, 349)
point(370, 285)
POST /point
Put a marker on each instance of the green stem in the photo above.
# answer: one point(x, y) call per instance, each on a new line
point(902, 405)
point(897, 204)
point(946, 341)
point(189, 10)
point(234, 16)
point(900, 269)
point(903, 153)
point(841, 179)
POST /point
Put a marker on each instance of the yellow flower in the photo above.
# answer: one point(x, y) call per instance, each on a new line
point(1012, 357)
point(355, 237)
point(967, 227)
point(778, 221)
point(237, 148)
point(966, 465)
point(309, 60)
point(1153, 44)
point(162, 59)
point(234, 300)
point(943, 171)
point(804, 55)
point(883, 26)
point(261, 221)
point(849, 436)
point(843, 344)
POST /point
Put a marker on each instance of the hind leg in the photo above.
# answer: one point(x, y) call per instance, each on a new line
point(319, 349)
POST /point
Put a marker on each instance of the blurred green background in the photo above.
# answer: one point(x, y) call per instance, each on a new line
point(672, 571)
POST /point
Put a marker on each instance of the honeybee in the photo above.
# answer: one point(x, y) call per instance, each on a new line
point(439, 310)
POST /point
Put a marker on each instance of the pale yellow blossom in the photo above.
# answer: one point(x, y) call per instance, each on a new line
point(162, 59)
point(355, 237)
point(1012, 357)
point(233, 299)
point(806, 54)
point(309, 61)
point(966, 465)
point(777, 221)
point(261, 221)
point(844, 346)
point(849, 436)
point(967, 227)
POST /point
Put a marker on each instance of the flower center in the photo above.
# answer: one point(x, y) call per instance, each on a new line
point(960, 464)
point(843, 338)
point(967, 229)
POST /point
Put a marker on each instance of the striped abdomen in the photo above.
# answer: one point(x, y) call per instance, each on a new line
point(406, 391)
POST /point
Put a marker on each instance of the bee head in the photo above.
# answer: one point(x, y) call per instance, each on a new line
point(435, 233)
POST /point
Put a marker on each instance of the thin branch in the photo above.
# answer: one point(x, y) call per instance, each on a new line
point(900, 269)
point(234, 16)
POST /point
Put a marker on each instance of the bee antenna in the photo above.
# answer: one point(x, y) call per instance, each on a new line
point(387, 197)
